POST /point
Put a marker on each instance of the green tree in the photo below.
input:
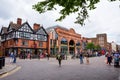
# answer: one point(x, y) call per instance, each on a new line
point(90, 46)
point(80, 7)
point(97, 47)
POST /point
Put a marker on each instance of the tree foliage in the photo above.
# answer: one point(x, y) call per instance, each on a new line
point(80, 7)
point(90, 46)
point(97, 47)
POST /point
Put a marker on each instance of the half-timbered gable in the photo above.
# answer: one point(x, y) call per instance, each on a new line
point(25, 28)
point(3, 33)
point(24, 31)
point(11, 30)
point(41, 31)
point(4, 30)
point(41, 34)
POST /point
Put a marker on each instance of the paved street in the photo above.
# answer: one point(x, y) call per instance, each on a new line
point(43, 69)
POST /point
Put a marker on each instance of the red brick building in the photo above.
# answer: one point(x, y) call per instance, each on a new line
point(100, 39)
point(19, 37)
point(63, 40)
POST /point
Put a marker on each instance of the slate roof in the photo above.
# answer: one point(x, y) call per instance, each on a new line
point(14, 26)
point(4, 29)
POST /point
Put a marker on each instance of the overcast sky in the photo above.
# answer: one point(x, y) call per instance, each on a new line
point(104, 19)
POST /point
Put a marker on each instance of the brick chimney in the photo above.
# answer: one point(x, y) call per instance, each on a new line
point(36, 26)
point(19, 21)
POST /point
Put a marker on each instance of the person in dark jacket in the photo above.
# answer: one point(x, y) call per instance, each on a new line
point(59, 58)
point(109, 58)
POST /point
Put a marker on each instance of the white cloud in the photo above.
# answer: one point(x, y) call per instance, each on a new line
point(104, 19)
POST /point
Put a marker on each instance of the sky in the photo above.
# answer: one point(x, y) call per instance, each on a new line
point(104, 19)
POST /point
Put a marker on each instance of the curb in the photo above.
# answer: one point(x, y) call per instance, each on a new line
point(7, 69)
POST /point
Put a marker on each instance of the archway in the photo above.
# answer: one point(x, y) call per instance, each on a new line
point(71, 47)
point(64, 47)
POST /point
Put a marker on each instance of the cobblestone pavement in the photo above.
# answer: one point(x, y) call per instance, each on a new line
point(71, 69)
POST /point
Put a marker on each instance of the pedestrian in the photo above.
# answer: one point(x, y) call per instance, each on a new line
point(14, 57)
point(59, 58)
point(48, 55)
point(29, 55)
point(81, 57)
point(116, 59)
point(109, 58)
point(24, 54)
point(87, 58)
point(96, 53)
point(40, 55)
point(11, 57)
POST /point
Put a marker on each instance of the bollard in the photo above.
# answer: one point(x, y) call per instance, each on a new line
point(1, 62)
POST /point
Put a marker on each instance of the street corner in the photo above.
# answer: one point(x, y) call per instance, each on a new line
point(8, 70)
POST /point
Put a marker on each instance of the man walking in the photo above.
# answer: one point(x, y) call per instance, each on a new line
point(59, 58)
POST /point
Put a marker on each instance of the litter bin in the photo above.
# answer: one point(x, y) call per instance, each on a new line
point(1, 62)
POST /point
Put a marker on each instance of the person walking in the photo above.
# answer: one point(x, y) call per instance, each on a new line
point(11, 57)
point(14, 57)
point(81, 57)
point(47, 55)
point(87, 58)
point(109, 58)
point(59, 58)
point(116, 59)
point(29, 55)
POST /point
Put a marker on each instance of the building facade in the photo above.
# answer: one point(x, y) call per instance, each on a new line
point(113, 46)
point(109, 47)
point(118, 47)
point(20, 37)
point(63, 40)
point(101, 40)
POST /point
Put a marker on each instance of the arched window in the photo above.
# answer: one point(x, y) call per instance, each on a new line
point(63, 41)
point(78, 44)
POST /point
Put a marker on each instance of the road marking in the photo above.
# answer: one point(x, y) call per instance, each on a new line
point(10, 72)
